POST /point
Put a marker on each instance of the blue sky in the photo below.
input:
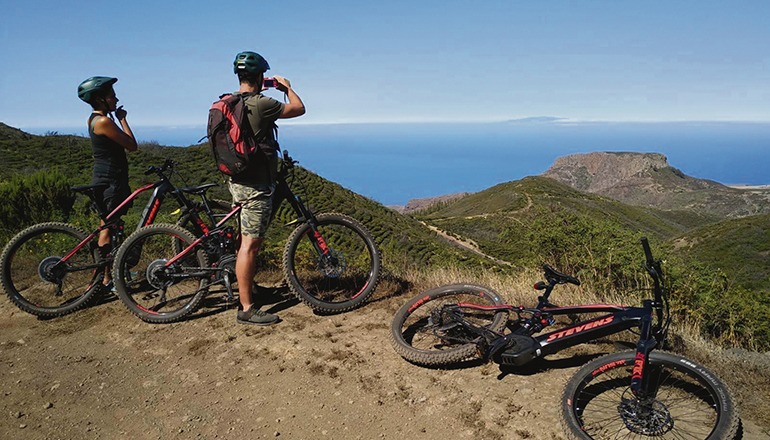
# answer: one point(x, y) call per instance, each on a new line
point(358, 61)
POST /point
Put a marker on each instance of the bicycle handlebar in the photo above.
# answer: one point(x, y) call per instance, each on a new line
point(168, 163)
point(288, 160)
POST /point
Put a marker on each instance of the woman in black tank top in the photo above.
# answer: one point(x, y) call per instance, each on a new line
point(109, 144)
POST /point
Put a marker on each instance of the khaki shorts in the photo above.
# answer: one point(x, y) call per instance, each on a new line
point(256, 202)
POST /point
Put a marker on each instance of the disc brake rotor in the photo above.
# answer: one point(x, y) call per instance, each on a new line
point(332, 264)
point(649, 419)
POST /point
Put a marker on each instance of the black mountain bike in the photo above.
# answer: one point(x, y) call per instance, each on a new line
point(632, 394)
point(51, 269)
point(330, 261)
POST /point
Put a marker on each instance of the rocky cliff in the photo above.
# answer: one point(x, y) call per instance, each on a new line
point(648, 179)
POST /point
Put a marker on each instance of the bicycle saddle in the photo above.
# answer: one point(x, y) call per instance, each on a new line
point(560, 278)
point(200, 189)
point(89, 188)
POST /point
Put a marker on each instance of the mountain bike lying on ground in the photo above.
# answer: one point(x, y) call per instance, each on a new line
point(330, 261)
point(631, 394)
point(51, 269)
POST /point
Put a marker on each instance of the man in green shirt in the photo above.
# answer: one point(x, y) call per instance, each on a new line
point(253, 189)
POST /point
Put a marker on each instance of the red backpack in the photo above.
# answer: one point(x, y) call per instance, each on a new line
point(230, 135)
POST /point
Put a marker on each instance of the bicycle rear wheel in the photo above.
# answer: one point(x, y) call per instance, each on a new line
point(335, 270)
point(421, 334)
point(38, 281)
point(690, 402)
point(153, 290)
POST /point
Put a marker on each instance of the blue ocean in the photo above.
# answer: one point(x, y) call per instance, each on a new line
point(393, 163)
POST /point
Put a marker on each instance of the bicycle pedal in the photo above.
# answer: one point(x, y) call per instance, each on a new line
point(519, 351)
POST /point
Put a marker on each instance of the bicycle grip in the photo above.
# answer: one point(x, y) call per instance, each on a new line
point(647, 251)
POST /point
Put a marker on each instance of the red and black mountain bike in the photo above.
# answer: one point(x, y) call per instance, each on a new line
point(330, 261)
point(644, 393)
point(51, 269)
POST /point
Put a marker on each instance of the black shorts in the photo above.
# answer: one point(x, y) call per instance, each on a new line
point(111, 196)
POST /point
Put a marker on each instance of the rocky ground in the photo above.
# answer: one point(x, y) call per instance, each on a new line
point(101, 373)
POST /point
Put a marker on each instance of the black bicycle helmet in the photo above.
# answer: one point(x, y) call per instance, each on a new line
point(87, 88)
point(251, 62)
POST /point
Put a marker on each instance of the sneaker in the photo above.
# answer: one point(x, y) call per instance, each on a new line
point(255, 316)
point(109, 288)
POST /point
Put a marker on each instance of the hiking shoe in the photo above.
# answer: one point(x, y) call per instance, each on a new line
point(255, 316)
point(109, 288)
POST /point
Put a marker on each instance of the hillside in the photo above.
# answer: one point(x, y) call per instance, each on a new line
point(739, 247)
point(647, 179)
point(504, 220)
point(404, 241)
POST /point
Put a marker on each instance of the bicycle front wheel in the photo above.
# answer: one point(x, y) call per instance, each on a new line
point(152, 289)
point(335, 269)
point(690, 402)
point(37, 278)
point(422, 334)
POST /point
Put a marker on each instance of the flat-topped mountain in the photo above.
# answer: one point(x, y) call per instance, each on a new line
point(647, 179)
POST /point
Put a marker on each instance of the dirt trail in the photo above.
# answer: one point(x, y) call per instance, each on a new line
point(103, 374)
point(465, 244)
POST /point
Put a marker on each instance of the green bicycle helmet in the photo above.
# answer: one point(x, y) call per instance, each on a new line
point(251, 62)
point(95, 84)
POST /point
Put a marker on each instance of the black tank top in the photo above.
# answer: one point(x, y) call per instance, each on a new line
point(110, 161)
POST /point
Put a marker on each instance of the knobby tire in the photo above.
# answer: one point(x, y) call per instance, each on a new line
point(342, 279)
point(420, 335)
point(691, 402)
point(34, 281)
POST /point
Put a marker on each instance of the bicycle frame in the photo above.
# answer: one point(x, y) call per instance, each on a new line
point(112, 220)
point(616, 318)
point(282, 191)
point(641, 393)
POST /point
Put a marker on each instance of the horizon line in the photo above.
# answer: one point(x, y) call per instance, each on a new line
point(542, 120)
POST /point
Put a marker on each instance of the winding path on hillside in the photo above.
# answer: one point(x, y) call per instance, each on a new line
point(485, 215)
point(470, 245)
point(467, 245)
